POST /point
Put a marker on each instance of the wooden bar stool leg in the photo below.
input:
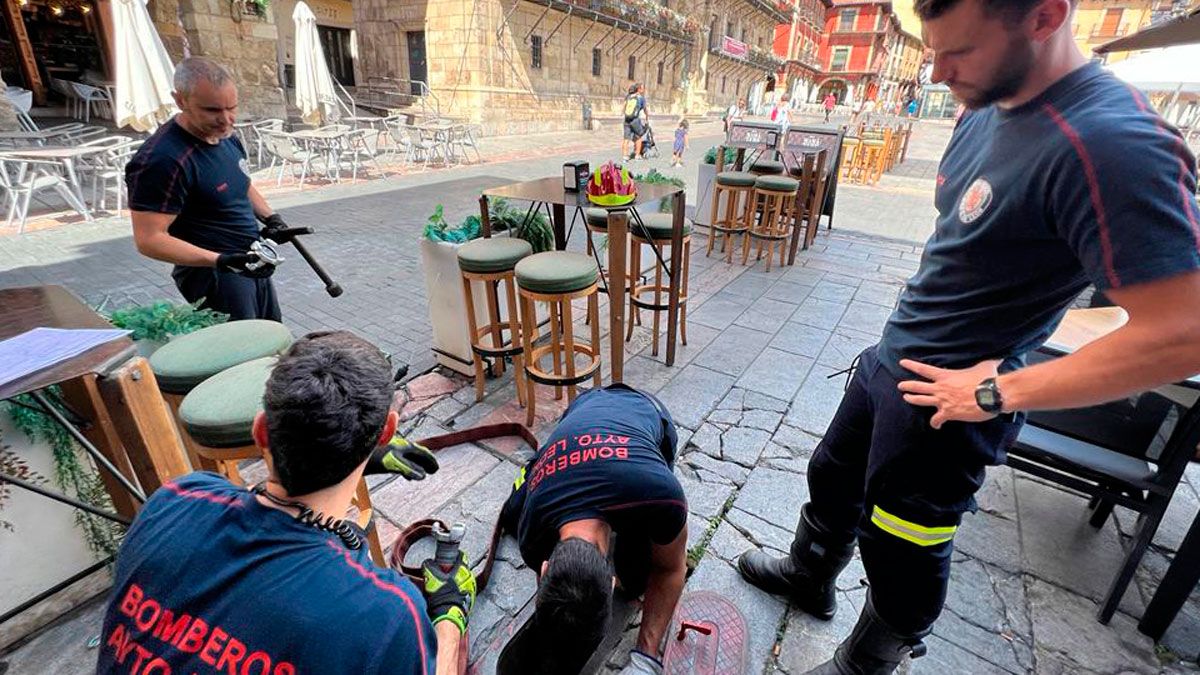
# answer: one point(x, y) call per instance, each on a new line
point(568, 330)
point(657, 301)
point(366, 520)
point(749, 223)
point(714, 219)
point(474, 328)
point(514, 331)
point(594, 312)
point(731, 207)
point(494, 324)
point(529, 338)
point(198, 461)
point(556, 345)
point(687, 256)
point(635, 264)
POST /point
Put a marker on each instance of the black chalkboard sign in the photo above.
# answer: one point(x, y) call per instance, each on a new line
point(799, 141)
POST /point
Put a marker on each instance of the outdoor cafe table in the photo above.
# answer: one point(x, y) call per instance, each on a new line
point(66, 155)
point(329, 140)
point(40, 136)
point(1079, 327)
point(548, 193)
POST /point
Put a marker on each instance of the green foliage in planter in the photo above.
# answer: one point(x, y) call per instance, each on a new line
point(438, 229)
point(655, 177)
point(710, 157)
point(538, 232)
point(12, 465)
point(163, 320)
point(71, 472)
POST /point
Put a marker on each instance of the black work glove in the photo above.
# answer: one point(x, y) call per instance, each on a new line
point(407, 458)
point(277, 231)
point(236, 262)
point(449, 596)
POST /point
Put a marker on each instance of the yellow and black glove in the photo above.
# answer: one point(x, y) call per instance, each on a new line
point(449, 596)
point(411, 460)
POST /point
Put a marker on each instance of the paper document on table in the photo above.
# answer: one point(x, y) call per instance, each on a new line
point(41, 348)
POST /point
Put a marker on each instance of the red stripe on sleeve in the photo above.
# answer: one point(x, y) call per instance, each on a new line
point(390, 588)
point(174, 177)
point(1180, 157)
point(1089, 171)
point(204, 495)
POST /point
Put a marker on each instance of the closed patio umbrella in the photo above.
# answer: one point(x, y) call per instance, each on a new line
point(315, 96)
point(144, 70)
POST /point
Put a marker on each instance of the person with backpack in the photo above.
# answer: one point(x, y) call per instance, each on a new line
point(636, 119)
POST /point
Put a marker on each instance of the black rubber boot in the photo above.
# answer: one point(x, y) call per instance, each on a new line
point(872, 648)
point(806, 576)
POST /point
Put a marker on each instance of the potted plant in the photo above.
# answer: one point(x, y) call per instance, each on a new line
point(443, 282)
point(655, 177)
point(154, 324)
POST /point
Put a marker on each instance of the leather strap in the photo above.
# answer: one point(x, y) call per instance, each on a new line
point(424, 528)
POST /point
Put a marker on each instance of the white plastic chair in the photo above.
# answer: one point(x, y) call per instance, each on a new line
point(361, 144)
point(111, 168)
point(256, 130)
point(400, 141)
point(89, 95)
point(282, 147)
point(21, 179)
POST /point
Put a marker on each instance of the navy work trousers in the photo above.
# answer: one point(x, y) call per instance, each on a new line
point(883, 473)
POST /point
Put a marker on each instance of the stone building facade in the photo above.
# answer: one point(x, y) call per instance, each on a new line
point(800, 44)
point(740, 57)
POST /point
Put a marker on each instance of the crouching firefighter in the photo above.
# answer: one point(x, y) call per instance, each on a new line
point(597, 507)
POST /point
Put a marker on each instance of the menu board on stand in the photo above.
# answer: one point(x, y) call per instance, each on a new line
point(753, 139)
point(799, 141)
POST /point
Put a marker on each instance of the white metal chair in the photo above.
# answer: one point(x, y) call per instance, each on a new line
point(400, 143)
point(111, 168)
point(361, 144)
point(89, 96)
point(256, 130)
point(70, 96)
point(462, 138)
point(21, 179)
point(283, 148)
point(424, 146)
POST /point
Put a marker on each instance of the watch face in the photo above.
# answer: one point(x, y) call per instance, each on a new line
point(986, 398)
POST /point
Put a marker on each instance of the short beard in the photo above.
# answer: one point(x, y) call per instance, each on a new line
point(1009, 78)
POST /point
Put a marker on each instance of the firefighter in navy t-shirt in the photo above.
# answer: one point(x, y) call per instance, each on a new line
point(606, 470)
point(193, 204)
point(1058, 177)
point(217, 578)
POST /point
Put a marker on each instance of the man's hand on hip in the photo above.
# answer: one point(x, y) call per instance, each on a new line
point(951, 391)
point(278, 231)
point(450, 595)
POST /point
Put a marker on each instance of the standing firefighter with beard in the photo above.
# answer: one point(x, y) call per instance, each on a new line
point(1057, 176)
point(193, 204)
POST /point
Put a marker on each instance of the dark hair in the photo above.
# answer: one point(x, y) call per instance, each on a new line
point(683, 124)
point(1012, 11)
point(326, 402)
point(574, 600)
point(633, 88)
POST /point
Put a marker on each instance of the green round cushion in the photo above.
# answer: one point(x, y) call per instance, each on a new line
point(556, 272)
point(767, 166)
point(219, 412)
point(190, 359)
point(736, 178)
point(778, 183)
point(660, 225)
point(492, 255)
point(596, 217)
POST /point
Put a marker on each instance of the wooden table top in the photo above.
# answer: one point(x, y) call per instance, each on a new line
point(550, 191)
point(30, 307)
point(1081, 326)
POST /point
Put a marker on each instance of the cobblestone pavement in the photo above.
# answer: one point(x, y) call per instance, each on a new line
point(752, 393)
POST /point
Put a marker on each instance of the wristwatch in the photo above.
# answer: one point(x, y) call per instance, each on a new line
point(987, 397)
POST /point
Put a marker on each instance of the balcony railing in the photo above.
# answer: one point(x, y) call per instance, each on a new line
point(780, 11)
point(641, 15)
point(755, 56)
point(1109, 31)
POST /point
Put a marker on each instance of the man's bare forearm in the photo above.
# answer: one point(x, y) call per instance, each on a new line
point(663, 588)
point(1131, 359)
point(449, 640)
point(166, 248)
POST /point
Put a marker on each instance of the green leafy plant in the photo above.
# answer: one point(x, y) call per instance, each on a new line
point(437, 228)
point(655, 177)
point(163, 319)
point(12, 465)
point(71, 472)
point(538, 231)
point(710, 156)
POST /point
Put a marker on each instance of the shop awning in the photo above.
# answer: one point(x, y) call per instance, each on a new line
point(1179, 31)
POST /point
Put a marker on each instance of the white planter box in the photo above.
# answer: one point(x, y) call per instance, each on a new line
point(448, 305)
point(705, 179)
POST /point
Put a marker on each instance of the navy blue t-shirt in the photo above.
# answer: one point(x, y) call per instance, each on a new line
point(1084, 183)
point(206, 186)
point(210, 581)
point(609, 458)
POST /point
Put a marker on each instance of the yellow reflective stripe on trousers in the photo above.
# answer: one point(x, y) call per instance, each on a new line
point(910, 531)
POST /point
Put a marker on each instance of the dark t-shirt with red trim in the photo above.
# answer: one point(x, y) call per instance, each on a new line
point(610, 457)
point(1083, 184)
point(210, 581)
point(206, 187)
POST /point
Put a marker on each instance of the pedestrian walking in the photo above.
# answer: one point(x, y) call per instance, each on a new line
point(681, 143)
point(636, 120)
point(830, 102)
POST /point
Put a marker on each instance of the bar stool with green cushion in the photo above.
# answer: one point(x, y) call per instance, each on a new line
point(596, 221)
point(185, 362)
point(557, 278)
point(657, 234)
point(738, 189)
point(219, 414)
point(767, 167)
point(491, 261)
point(775, 196)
